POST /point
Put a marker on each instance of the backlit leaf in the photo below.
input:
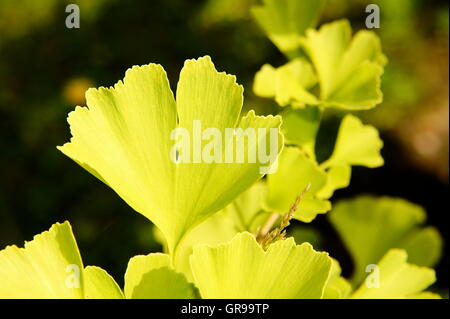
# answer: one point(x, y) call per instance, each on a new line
point(123, 137)
point(242, 269)
point(370, 226)
point(397, 279)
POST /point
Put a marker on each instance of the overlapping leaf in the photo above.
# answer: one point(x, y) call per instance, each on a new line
point(245, 213)
point(152, 277)
point(50, 266)
point(285, 21)
point(396, 278)
point(348, 71)
point(296, 171)
point(370, 226)
point(123, 137)
point(242, 269)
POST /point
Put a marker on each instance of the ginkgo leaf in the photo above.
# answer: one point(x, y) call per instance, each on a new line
point(356, 144)
point(296, 171)
point(152, 277)
point(242, 269)
point(125, 138)
point(337, 286)
point(300, 127)
point(395, 278)
point(370, 226)
point(100, 285)
point(349, 70)
point(285, 21)
point(49, 266)
point(288, 84)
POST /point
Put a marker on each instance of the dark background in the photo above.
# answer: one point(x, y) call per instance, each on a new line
point(45, 69)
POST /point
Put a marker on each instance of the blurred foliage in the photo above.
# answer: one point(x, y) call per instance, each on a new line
point(45, 69)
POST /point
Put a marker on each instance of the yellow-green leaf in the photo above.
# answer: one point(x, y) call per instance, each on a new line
point(152, 277)
point(285, 21)
point(100, 285)
point(288, 84)
point(370, 226)
point(49, 266)
point(349, 70)
point(123, 137)
point(242, 269)
point(395, 278)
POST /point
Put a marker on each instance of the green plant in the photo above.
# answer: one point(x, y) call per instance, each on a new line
point(219, 221)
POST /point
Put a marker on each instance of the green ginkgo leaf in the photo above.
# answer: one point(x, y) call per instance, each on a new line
point(125, 138)
point(100, 285)
point(50, 266)
point(152, 277)
point(295, 172)
point(242, 269)
point(349, 70)
point(395, 278)
point(356, 144)
point(370, 226)
point(285, 21)
point(288, 84)
point(337, 286)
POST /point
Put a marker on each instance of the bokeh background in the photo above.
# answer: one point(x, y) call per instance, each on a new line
point(45, 69)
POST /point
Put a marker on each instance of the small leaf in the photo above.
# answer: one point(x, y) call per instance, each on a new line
point(152, 277)
point(349, 70)
point(49, 266)
point(242, 269)
point(285, 21)
point(356, 144)
point(294, 174)
point(370, 226)
point(397, 279)
point(100, 285)
point(288, 84)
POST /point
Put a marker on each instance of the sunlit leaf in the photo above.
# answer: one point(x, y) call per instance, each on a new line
point(152, 277)
point(123, 137)
point(356, 144)
point(49, 266)
point(295, 172)
point(396, 278)
point(288, 84)
point(349, 70)
point(370, 226)
point(285, 21)
point(242, 269)
point(100, 285)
